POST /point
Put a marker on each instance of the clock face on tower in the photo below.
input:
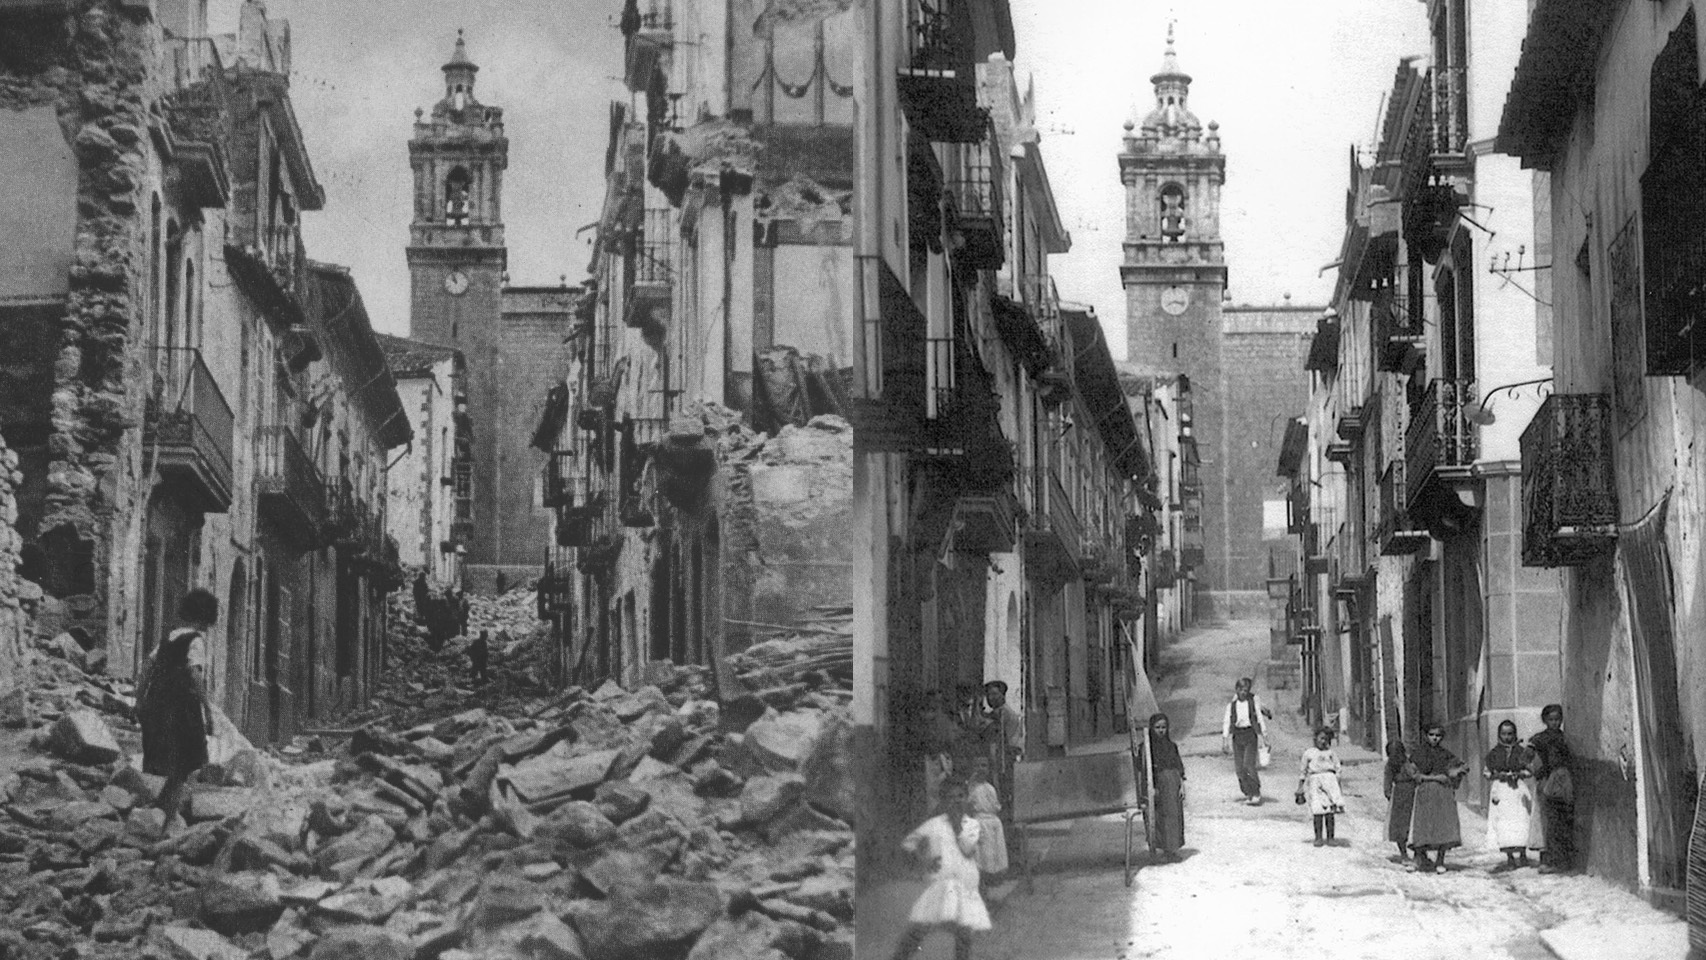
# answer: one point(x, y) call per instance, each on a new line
point(456, 283)
point(1174, 300)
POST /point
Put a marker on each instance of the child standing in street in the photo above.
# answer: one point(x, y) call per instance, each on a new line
point(947, 845)
point(986, 807)
point(1319, 785)
point(1401, 792)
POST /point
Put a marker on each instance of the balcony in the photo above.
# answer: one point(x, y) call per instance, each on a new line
point(195, 105)
point(559, 473)
point(1398, 339)
point(291, 491)
point(973, 188)
point(1344, 454)
point(1394, 533)
point(1568, 494)
point(345, 515)
point(1439, 450)
point(649, 32)
point(1350, 425)
point(1450, 113)
point(188, 428)
point(1324, 347)
point(1053, 536)
point(652, 274)
point(938, 89)
point(986, 523)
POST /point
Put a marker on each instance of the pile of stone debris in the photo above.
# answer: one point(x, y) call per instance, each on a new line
point(606, 825)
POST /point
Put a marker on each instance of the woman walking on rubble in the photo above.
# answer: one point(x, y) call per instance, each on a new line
point(171, 701)
point(947, 845)
point(1434, 825)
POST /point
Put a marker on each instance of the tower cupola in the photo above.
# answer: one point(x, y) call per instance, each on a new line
point(459, 78)
point(1172, 116)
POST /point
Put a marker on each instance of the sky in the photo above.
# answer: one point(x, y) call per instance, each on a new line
point(1293, 86)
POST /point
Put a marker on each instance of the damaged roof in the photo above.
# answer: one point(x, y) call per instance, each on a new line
point(414, 358)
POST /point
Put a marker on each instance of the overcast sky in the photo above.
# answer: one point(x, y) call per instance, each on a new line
point(1293, 85)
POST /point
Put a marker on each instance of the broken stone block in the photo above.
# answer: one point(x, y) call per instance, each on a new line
point(65, 647)
point(188, 943)
point(373, 837)
point(752, 936)
point(370, 903)
point(660, 920)
point(577, 825)
point(828, 769)
point(219, 803)
point(765, 798)
point(610, 690)
point(236, 903)
point(552, 774)
point(781, 741)
point(118, 798)
point(15, 712)
point(70, 816)
point(626, 869)
point(830, 893)
point(362, 943)
point(81, 736)
point(310, 892)
point(621, 800)
point(505, 899)
point(801, 818)
point(146, 823)
point(544, 937)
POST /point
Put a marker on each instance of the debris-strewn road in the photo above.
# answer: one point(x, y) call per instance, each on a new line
point(512, 822)
point(1253, 885)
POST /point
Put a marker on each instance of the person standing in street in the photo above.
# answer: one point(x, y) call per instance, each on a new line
point(421, 594)
point(479, 650)
point(1318, 785)
point(1168, 769)
point(1400, 788)
point(1434, 825)
point(1510, 798)
point(1006, 730)
point(1242, 732)
point(171, 702)
point(946, 844)
point(1556, 785)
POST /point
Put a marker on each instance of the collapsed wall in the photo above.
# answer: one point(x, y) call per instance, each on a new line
point(67, 410)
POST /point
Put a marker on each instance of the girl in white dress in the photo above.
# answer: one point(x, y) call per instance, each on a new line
point(947, 845)
point(1319, 785)
point(986, 807)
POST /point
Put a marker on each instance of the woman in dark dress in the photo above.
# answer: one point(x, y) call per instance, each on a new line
point(1168, 768)
point(1433, 823)
point(1400, 788)
point(171, 701)
point(1554, 783)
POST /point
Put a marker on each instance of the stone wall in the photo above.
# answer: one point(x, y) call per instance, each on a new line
point(16, 594)
point(93, 67)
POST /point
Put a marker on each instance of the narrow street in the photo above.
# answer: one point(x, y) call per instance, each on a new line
point(1252, 884)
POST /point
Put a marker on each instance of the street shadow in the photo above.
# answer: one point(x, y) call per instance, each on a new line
point(1182, 714)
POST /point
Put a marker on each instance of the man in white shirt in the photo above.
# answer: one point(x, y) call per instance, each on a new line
point(1241, 732)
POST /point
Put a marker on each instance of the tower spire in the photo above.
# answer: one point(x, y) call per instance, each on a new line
point(1171, 116)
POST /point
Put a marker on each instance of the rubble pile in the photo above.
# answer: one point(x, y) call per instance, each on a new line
point(817, 651)
point(613, 824)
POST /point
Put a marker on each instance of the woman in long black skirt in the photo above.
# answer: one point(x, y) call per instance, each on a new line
point(1169, 772)
point(171, 703)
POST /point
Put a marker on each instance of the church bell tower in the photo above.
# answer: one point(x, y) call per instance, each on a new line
point(456, 240)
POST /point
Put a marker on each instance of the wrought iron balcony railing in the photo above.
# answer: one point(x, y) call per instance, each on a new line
point(973, 187)
point(189, 425)
point(290, 487)
point(1439, 436)
point(1397, 334)
point(1568, 492)
point(1393, 532)
point(559, 471)
point(938, 88)
point(1450, 111)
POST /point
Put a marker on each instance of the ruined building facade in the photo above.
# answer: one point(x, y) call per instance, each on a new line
point(697, 458)
point(431, 484)
point(511, 338)
point(194, 402)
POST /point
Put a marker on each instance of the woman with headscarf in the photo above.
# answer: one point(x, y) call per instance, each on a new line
point(1510, 800)
point(1168, 769)
point(1433, 823)
point(1555, 784)
point(172, 705)
point(1400, 789)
